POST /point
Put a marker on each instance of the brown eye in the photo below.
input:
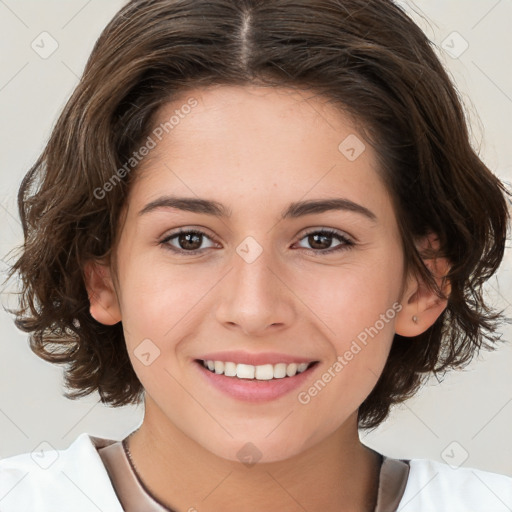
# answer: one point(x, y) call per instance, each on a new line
point(321, 241)
point(187, 241)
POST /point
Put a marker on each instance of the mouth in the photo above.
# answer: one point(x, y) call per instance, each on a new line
point(264, 372)
point(254, 383)
point(254, 376)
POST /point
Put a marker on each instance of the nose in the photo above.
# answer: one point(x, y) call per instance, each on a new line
point(254, 297)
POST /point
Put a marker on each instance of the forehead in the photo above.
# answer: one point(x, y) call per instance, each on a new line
point(241, 144)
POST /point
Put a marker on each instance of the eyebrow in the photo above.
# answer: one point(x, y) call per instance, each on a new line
point(294, 210)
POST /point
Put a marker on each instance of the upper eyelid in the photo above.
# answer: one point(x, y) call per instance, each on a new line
point(330, 231)
point(201, 231)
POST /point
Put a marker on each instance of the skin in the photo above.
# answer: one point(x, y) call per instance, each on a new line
point(256, 150)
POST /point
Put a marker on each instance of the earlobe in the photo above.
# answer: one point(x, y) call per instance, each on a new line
point(421, 307)
point(104, 305)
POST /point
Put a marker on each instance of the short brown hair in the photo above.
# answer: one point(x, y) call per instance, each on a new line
point(365, 56)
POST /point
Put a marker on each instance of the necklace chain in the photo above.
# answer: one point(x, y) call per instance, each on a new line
point(129, 455)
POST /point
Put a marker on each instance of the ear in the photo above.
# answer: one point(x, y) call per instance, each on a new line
point(104, 305)
point(421, 307)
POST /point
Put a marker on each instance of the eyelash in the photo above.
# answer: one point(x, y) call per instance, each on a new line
point(345, 245)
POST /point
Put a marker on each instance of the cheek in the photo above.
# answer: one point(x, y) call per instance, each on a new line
point(360, 350)
point(357, 305)
point(160, 307)
point(353, 297)
point(156, 294)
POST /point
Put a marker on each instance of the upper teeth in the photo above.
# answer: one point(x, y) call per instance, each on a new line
point(261, 372)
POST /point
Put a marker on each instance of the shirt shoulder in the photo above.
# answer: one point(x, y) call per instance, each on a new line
point(436, 487)
point(70, 479)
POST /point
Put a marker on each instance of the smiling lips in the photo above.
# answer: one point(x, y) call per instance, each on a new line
point(255, 378)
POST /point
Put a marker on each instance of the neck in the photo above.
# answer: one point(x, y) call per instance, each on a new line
point(338, 474)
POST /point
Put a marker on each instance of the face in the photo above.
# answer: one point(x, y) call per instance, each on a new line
point(260, 276)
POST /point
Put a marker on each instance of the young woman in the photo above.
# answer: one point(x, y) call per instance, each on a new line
point(265, 220)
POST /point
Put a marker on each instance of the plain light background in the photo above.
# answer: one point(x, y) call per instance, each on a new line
point(464, 420)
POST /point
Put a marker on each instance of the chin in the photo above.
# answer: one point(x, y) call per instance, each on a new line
point(251, 450)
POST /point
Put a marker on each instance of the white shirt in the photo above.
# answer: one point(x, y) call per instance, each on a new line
point(76, 480)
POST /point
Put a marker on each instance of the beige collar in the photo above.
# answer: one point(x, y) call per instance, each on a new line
point(134, 497)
